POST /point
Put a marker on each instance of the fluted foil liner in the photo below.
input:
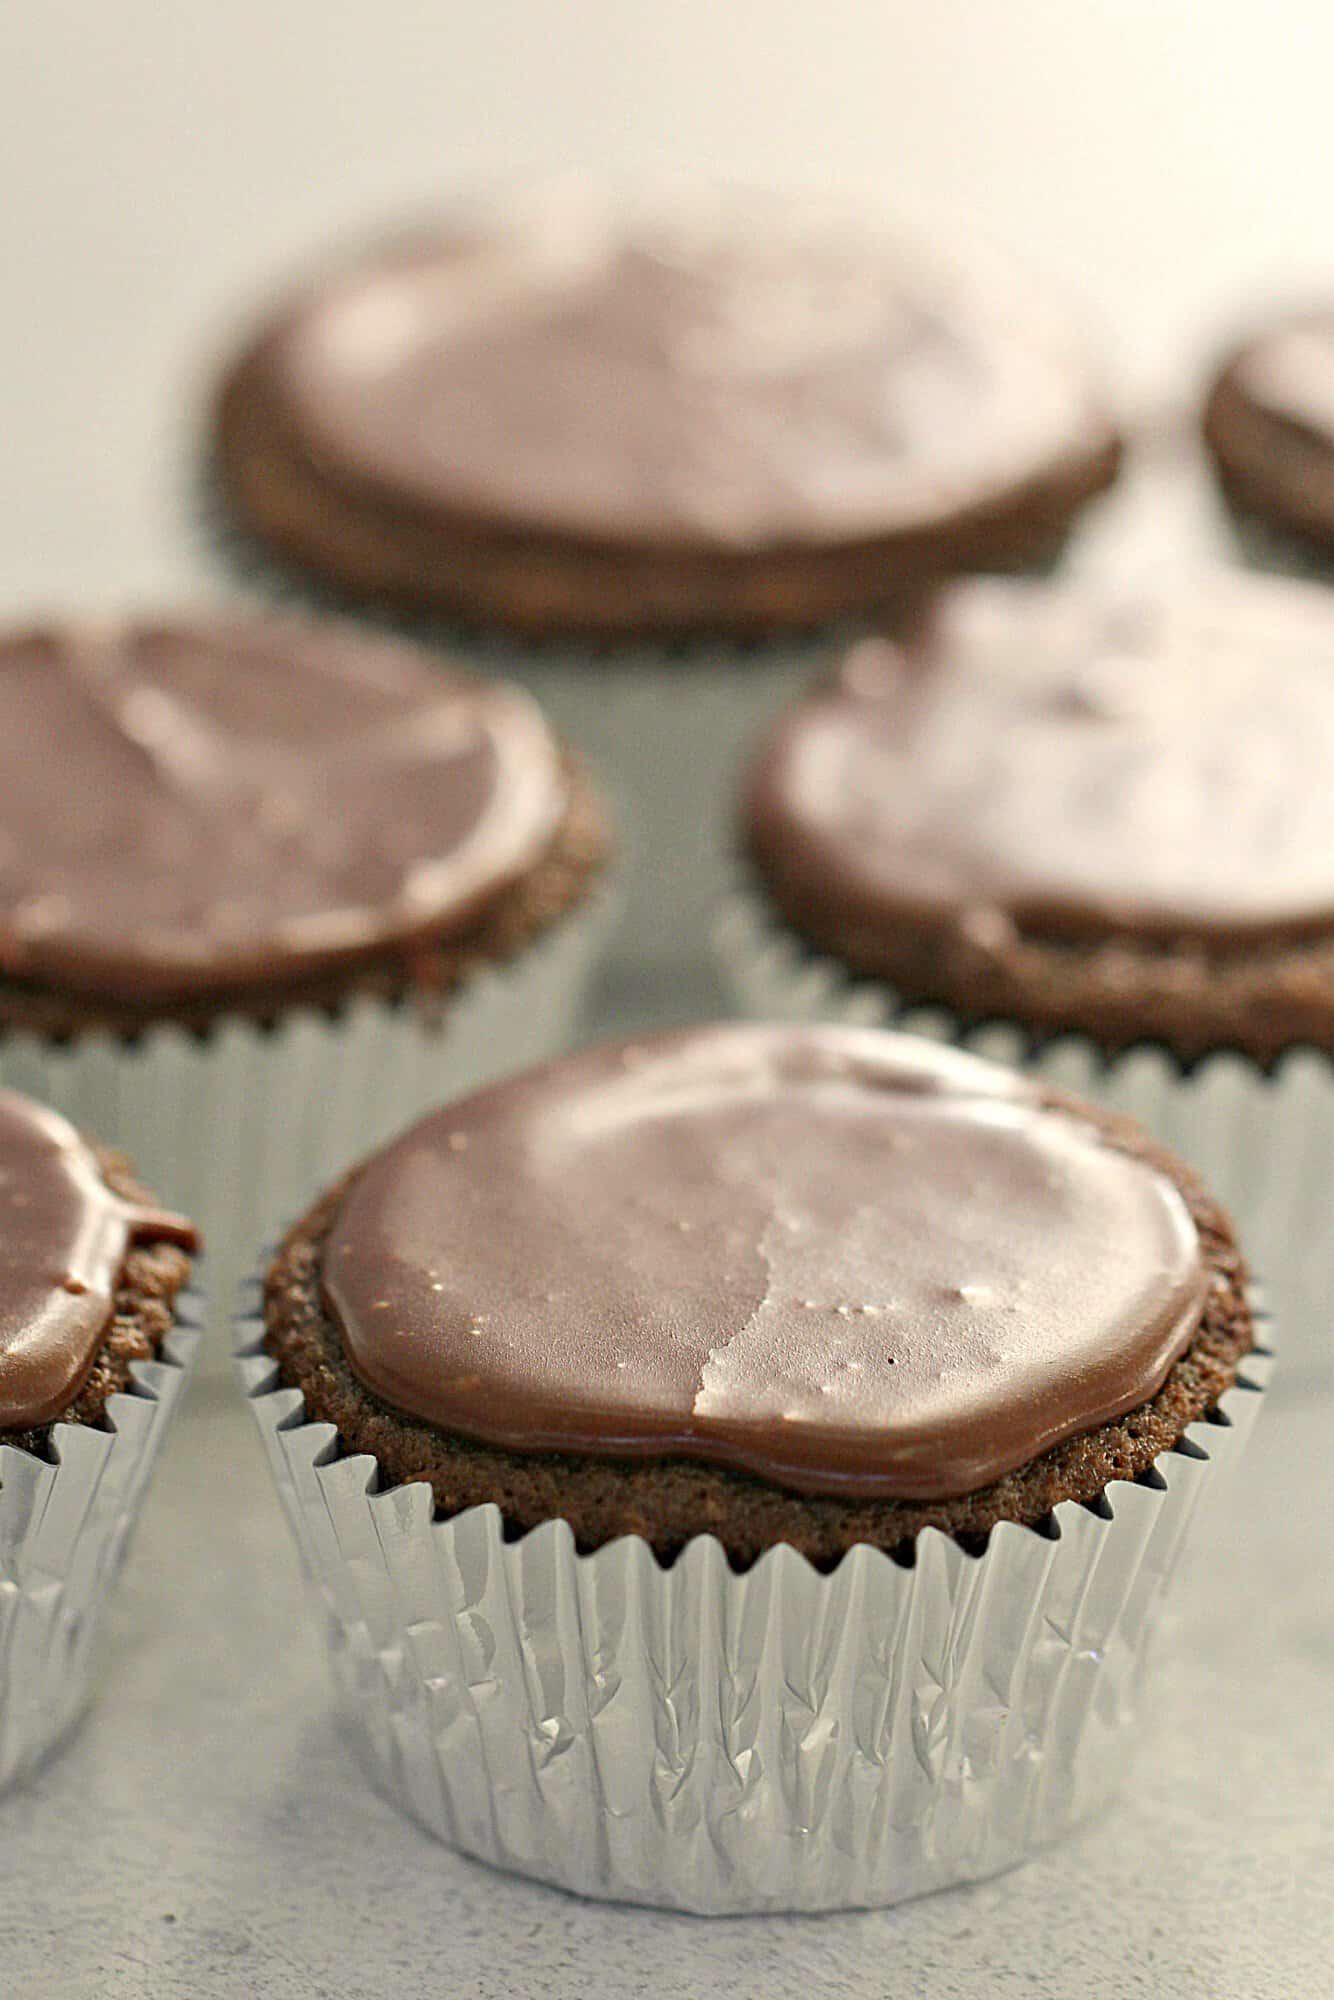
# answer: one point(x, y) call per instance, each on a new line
point(668, 730)
point(689, 1737)
point(65, 1528)
point(1263, 1141)
point(240, 1127)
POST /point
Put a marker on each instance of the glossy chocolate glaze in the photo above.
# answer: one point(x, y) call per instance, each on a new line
point(64, 1235)
point(841, 1260)
point(192, 805)
point(1289, 373)
point(1067, 765)
point(733, 377)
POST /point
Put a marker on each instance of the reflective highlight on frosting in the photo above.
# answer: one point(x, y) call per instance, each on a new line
point(64, 1236)
point(735, 376)
point(1290, 374)
point(1080, 766)
point(841, 1260)
point(188, 804)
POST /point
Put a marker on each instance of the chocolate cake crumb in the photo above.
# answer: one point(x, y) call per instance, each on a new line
point(669, 1501)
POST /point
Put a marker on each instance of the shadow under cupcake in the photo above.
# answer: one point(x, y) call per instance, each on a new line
point(97, 1331)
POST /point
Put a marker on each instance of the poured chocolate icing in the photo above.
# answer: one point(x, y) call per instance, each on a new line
point(732, 378)
point(841, 1260)
point(1290, 374)
point(64, 1235)
point(189, 806)
point(1071, 765)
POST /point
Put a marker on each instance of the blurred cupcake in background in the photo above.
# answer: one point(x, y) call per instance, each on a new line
point(97, 1331)
point(1092, 833)
point(270, 887)
point(1269, 426)
point(739, 1470)
point(690, 433)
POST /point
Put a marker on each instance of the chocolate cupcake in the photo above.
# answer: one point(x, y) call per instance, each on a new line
point(1269, 424)
point(96, 1334)
point(268, 888)
point(740, 1467)
point(1094, 835)
point(731, 419)
point(723, 421)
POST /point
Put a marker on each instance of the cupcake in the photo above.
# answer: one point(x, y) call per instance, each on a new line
point(727, 421)
point(95, 1339)
point(738, 1470)
point(268, 888)
point(1093, 834)
point(1269, 426)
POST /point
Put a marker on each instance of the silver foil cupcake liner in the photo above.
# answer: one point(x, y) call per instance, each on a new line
point(240, 1126)
point(718, 1742)
point(65, 1527)
point(669, 729)
point(1263, 1140)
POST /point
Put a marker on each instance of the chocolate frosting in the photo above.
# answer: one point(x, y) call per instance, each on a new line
point(1290, 375)
point(64, 1235)
point(190, 806)
point(842, 1260)
point(728, 378)
point(1076, 766)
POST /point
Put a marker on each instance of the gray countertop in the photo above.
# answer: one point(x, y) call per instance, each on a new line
point(206, 1833)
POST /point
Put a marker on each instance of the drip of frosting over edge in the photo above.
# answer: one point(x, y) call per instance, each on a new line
point(64, 1235)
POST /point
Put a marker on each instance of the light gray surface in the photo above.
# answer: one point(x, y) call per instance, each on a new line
point(206, 1833)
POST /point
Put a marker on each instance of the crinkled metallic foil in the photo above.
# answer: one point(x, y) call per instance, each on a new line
point(690, 1737)
point(64, 1531)
point(240, 1127)
point(1263, 1141)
